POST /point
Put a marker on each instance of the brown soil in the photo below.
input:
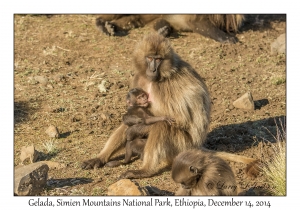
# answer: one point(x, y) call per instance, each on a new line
point(75, 58)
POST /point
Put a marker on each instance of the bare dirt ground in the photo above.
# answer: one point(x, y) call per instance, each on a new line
point(76, 58)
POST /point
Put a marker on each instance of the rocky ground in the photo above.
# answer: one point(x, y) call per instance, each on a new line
point(69, 75)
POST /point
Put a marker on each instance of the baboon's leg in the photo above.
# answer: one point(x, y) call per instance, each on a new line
point(137, 131)
point(109, 17)
point(128, 153)
point(115, 142)
point(231, 157)
point(206, 28)
point(150, 162)
point(135, 146)
point(253, 165)
point(129, 22)
point(134, 21)
point(163, 144)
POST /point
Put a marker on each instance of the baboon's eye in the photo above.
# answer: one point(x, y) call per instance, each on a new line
point(158, 59)
point(149, 58)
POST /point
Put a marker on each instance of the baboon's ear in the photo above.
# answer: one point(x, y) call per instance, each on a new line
point(194, 170)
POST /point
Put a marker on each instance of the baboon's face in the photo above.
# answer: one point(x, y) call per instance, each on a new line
point(142, 100)
point(189, 182)
point(154, 58)
point(137, 97)
point(186, 178)
point(153, 62)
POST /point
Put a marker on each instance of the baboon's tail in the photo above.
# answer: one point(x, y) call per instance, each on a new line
point(253, 165)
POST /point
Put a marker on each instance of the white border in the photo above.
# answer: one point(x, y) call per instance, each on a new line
point(9, 8)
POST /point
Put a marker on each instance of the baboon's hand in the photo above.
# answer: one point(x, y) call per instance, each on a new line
point(92, 163)
point(139, 120)
point(170, 120)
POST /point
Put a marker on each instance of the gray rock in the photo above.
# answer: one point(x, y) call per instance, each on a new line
point(29, 152)
point(52, 131)
point(279, 45)
point(31, 179)
point(244, 102)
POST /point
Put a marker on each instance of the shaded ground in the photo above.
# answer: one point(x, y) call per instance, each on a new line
point(75, 58)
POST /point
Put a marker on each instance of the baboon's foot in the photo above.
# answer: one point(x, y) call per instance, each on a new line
point(163, 27)
point(165, 31)
point(110, 28)
point(92, 164)
point(105, 27)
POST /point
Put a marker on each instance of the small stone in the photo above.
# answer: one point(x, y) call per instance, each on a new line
point(52, 131)
point(32, 81)
point(30, 180)
point(230, 107)
point(42, 80)
point(102, 87)
point(279, 45)
point(29, 152)
point(90, 83)
point(50, 86)
point(105, 116)
point(58, 77)
point(125, 187)
point(79, 116)
point(244, 102)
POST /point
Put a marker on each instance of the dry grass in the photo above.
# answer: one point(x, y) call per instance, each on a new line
point(275, 170)
point(50, 146)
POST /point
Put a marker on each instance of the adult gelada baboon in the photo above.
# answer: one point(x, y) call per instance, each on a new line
point(202, 173)
point(175, 89)
point(214, 26)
